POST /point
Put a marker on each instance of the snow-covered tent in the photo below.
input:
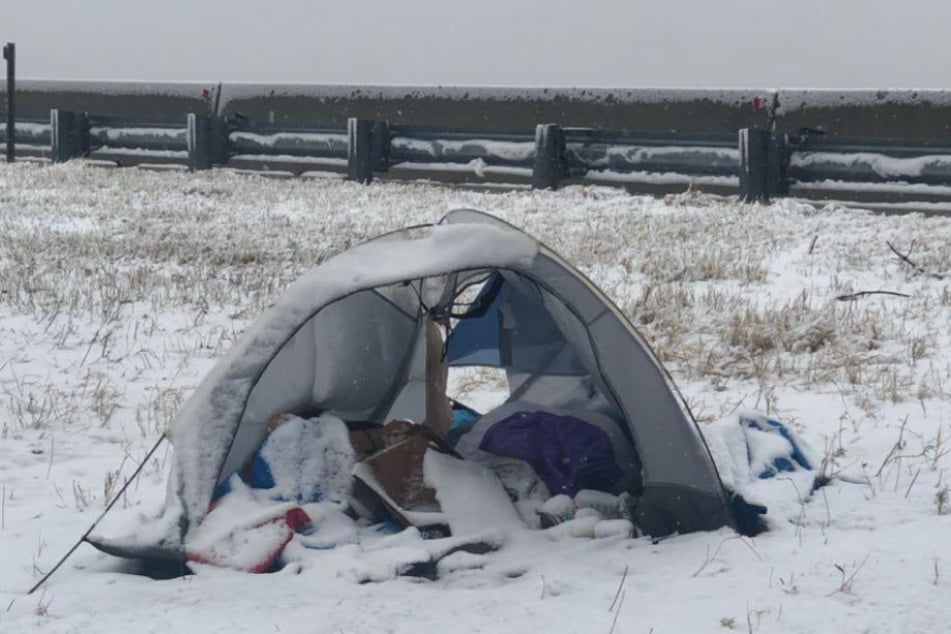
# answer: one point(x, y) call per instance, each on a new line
point(349, 339)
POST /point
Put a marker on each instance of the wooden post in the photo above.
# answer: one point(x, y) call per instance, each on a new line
point(359, 150)
point(69, 137)
point(438, 407)
point(10, 54)
point(549, 165)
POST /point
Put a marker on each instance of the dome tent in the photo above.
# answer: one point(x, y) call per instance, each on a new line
point(348, 339)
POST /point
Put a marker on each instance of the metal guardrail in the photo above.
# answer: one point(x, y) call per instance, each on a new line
point(885, 146)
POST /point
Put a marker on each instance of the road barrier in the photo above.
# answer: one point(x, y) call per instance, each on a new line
point(868, 146)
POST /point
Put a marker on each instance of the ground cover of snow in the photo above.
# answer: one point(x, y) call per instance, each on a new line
point(120, 288)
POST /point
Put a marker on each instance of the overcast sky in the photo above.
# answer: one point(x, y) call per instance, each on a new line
point(675, 43)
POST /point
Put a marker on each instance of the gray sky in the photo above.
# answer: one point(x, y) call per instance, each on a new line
point(678, 43)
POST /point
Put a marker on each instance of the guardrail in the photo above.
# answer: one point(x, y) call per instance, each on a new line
point(886, 146)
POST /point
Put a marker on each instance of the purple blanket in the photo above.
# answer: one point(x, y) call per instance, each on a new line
point(567, 453)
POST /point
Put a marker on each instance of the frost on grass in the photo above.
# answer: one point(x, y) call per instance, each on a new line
point(154, 272)
point(158, 274)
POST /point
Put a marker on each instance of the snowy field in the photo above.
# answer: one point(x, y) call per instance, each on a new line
point(119, 289)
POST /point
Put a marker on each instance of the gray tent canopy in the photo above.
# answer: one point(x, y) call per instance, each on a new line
point(348, 339)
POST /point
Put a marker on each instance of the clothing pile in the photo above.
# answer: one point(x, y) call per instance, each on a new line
point(320, 482)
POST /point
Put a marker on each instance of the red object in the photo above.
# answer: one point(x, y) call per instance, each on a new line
point(293, 521)
point(757, 102)
point(206, 94)
point(297, 519)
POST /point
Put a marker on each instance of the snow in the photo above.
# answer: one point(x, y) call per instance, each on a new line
point(237, 533)
point(119, 289)
point(578, 528)
point(32, 127)
point(34, 130)
point(477, 166)
point(139, 153)
point(660, 178)
point(310, 460)
point(132, 133)
point(889, 167)
point(332, 528)
point(469, 494)
point(252, 140)
point(277, 159)
point(638, 154)
point(613, 528)
point(895, 187)
point(506, 150)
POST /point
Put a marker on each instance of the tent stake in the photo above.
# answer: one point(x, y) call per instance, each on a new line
point(108, 508)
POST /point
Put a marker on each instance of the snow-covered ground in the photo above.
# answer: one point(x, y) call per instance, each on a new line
point(119, 289)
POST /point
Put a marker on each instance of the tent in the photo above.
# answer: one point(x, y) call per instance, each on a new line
point(348, 339)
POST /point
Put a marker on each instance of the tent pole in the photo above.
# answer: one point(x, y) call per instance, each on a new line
point(108, 508)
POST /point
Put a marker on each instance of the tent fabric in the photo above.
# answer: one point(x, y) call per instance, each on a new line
point(515, 332)
point(682, 490)
point(475, 340)
point(207, 429)
point(346, 340)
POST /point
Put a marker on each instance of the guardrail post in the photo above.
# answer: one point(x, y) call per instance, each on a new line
point(198, 140)
point(219, 143)
point(360, 150)
point(68, 135)
point(10, 54)
point(549, 165)
point(777, 163)
point(207, 141)
point(763, 161)
point(754, 157)
point(380, 146)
